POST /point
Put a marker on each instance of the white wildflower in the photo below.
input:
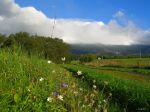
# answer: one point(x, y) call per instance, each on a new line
point(63, 59)
point(60, 97)
point(94, 81)
point(99, 58)
point(75, 92)
point(110, 94)
point(79, 72)
point(49, 99)
point(41, 79)
point(49, 62)
point(94, 86)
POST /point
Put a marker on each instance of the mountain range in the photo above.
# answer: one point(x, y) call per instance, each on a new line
point(100, 49)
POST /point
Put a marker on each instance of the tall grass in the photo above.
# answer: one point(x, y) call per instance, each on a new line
point(30, 84)
point(129, 94)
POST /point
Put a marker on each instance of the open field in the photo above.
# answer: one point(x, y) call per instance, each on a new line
point(129, 90)
point(128, 63)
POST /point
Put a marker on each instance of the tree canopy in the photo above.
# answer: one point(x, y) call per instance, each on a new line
point(50, 48)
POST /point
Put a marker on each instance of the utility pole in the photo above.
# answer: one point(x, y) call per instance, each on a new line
point(54, 23)
point(53, 27)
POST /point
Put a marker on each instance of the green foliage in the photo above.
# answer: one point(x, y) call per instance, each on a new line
point(2, 39)
point(87, 58)
point(49, 48)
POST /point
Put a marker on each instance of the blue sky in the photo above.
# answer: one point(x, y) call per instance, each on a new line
point(110, 22)
point(99, 10)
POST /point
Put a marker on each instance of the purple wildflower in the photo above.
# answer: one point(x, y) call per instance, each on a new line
point(64, 85)
point(55, 93)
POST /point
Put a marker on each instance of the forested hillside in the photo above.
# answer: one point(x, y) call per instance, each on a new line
point(49, 48)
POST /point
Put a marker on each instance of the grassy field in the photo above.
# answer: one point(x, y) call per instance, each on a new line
point(30, 84)
point(129, 90)
point(128, 63)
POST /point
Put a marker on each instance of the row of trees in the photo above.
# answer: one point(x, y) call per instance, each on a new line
point(49, 48)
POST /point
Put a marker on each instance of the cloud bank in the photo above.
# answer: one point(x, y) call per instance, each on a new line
point(118, 31)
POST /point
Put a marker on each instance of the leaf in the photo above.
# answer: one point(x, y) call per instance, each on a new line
point(16, 98)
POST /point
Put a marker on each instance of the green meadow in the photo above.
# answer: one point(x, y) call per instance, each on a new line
point(29, 83)
point(127, 79)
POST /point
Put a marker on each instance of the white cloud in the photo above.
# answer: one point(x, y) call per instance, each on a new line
point(119, 14)
point(14, 18)
point(8, 8)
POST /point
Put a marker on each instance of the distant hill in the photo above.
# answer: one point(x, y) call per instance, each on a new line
point(110, 49)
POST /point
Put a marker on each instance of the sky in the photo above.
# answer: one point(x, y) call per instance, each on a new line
point(111, 22)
